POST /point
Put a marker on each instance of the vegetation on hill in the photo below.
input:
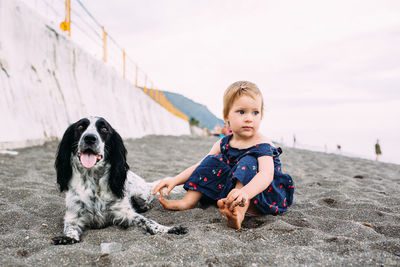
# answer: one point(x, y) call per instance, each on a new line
point(199, 114)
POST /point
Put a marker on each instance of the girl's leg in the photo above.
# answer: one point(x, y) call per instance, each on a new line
point(236, 217)
point(189, 201)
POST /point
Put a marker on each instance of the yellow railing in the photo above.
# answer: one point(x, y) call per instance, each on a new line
point(160, 98)
point(85, 26)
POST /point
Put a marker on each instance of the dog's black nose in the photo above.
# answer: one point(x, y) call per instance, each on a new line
point(90, 139)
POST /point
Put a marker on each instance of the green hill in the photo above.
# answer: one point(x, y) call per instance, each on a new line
point(194, 110)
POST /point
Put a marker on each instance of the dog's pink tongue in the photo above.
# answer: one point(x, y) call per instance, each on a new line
point(88, 160)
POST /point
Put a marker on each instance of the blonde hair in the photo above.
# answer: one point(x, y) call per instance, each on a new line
point(238, 89)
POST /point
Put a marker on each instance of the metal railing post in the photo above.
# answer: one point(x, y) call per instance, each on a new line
point(66, 24)
point(68, 6)
point(136, 79)
point(123, 55)
point(104, 45)
point(145, 84)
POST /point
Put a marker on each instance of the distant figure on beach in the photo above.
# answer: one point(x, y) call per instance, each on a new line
point(377, 150)
point(294, 140)
point(242, 172)
point(339, 147)
point(217, 130)
point(221, 132)
point(225, 130)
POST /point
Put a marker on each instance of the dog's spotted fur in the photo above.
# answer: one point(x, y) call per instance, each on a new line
point(105, 194)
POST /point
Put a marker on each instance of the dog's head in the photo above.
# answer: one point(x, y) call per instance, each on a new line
point(92, 145)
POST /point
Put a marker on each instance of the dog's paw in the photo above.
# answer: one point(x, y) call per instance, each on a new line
point(178, 230)
point(64, 240)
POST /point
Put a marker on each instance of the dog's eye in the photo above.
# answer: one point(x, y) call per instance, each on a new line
point(80, 127)
point(104, 130)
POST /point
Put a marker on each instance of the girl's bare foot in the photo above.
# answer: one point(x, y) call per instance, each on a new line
point(234, 217)
point(166, 203)
point(173, 204)
point(189, 201)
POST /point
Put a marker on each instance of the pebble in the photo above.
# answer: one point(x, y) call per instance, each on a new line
point(107, 248)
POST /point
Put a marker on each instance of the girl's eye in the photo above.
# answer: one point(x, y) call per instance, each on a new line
point(241, 112)
point(256, 112)
point(104, 130)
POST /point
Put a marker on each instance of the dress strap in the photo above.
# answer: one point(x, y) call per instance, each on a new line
point(260, 150)
point(224, 142)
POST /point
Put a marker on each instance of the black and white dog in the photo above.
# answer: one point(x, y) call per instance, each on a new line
point(100, 190)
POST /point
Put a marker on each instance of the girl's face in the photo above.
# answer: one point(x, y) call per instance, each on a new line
point(244, 116)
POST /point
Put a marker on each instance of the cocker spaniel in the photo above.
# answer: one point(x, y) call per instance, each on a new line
point(100, 190)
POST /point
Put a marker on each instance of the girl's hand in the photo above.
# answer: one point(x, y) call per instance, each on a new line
point(237, 197)
point(168, 183)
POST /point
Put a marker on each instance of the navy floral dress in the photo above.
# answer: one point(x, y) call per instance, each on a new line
point(217, 175)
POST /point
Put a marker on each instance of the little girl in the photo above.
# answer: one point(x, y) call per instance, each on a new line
point(242, 170)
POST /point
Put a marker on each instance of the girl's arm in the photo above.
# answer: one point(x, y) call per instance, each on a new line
point(182, 177)
point(259, 183)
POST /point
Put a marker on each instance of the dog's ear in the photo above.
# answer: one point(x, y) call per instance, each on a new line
point(63, 158)
point(119, 166)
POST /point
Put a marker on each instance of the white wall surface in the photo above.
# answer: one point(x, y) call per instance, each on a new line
point(47, 82)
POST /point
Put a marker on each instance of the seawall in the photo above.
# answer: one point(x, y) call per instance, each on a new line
point(47, 82)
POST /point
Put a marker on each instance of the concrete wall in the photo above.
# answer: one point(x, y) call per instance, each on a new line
point(47, 82)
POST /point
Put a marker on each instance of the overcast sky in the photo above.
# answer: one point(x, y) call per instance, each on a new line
point(322, 52)
point(329, 70)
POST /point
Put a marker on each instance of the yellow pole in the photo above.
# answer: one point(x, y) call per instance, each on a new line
point(145, 84)
point(68, 15)
point(136, 76)
point(104, 45)
point(123, 55)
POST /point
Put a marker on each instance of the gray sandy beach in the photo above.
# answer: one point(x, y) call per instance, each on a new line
point(346, 212)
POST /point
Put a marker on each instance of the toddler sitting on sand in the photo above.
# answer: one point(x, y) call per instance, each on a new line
point(242, 171)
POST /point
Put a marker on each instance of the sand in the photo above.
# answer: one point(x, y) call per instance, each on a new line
point(346, 211)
